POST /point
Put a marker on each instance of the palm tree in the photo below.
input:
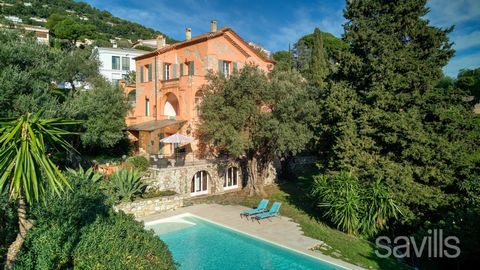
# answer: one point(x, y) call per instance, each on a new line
point(26, 168)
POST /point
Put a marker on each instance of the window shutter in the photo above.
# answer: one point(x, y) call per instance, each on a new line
point(220, 66)
point(141, 74)
point(149, 72)
point(164, 72)
point(181, 69)
point(235, 67)
point(174, 71)
point(191, 68)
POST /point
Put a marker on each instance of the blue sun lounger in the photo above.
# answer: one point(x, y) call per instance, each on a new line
point(262, 207)
point(273, 212)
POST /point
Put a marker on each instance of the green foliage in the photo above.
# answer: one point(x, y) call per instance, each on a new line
point(284, 60)
point(153, 193)
point(256, 118)
point(103, 110)
point(26, 167)
point(145, 48)
point(352, 207)
point(8, 224)
point(69, 28)
point(120, 243)
point(64, 227)
point(139, 163)
point(125, 184)
point(78, 66)
point(469, 80)
point(318, 65)
point(107, 26)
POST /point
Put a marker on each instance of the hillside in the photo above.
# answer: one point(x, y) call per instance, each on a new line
point(106, 25)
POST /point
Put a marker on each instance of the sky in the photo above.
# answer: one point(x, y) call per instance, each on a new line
point(276, 24)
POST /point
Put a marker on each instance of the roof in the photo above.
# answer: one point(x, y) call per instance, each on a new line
point(201, 38)
point(126, 50)
point(155, 124)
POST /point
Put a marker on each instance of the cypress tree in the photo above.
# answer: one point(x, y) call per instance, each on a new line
point(386, 117)
point(318, 65)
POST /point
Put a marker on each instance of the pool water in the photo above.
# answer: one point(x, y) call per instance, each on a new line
point(198, 244)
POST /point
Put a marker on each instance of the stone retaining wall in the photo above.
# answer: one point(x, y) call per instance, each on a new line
point(145, 207)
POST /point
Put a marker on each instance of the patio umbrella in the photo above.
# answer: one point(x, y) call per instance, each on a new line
point(177, 138)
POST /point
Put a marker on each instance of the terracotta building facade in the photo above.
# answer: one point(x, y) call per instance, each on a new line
point(167, 93)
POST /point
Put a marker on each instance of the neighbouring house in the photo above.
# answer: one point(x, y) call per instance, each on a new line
point(41, 33)
point(116, 63)
point(168, 81)
point(152, 43)
point(14, 19)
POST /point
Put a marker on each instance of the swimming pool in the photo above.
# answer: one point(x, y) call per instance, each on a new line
point(198, 244)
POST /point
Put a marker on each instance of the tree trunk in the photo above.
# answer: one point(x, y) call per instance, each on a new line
point(255, 183)
point(24, 226)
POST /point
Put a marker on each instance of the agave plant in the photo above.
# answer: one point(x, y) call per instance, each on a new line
point(125, 184)
point(88, 175)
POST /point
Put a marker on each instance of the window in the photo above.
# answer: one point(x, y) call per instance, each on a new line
point(199, 183)
point(166, 71)
point(141, 75)
point(116, 62)
point(224, 68)
point(147, 107)
point(191, 68)
point(231, 178)
point(125, 63)
point(149, 72)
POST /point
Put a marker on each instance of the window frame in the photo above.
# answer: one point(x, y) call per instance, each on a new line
point(125, 67)
point(231, 176)
point(118, 62)
point(166, 71)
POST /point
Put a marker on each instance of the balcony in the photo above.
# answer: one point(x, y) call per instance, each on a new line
point(172, 83)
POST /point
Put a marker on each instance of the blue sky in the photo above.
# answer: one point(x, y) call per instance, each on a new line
point(275, 24)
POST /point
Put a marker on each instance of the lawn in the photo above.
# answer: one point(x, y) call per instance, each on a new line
point(295, 205)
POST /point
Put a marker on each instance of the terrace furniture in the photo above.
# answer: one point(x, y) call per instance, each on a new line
point(273, 212)
point(262, 207)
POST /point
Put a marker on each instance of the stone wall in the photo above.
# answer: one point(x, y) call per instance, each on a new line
point(145, 207)
point(179, 179)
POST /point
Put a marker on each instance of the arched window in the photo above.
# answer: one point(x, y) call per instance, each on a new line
point(199, 184)
point(231, 178)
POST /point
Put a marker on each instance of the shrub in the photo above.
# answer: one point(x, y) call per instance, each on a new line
point(158, 193)
point(124, 185)
point(351, 207)
point(138, 162)
point(8, 224)
point(119, 242)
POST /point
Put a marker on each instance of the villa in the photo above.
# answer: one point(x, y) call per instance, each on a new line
point(166, 96)
point(166, 99)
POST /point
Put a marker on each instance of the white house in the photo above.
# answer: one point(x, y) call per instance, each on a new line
point(116, 63)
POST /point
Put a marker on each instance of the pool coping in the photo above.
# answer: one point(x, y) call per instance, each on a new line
point(178, 217)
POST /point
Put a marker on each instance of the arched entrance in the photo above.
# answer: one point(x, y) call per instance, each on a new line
point(171, 108)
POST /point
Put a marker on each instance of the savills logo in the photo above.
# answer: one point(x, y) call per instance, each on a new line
point(433, 246)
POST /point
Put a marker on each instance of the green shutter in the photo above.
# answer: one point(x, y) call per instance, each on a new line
point(235, 67)
point(181, 69)
point(191, 68)
point(141, 74)
point(163, 71)
point(149, 72)
point(174, 71)
point(220, 66)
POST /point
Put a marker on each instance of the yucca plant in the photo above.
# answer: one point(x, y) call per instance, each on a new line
point(125, 184)
point(381, 207)
point(26, 169)
point(340, 196)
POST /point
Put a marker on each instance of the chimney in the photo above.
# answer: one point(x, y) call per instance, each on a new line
point(160, 42)
point(213, 26)
point(188, 33)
